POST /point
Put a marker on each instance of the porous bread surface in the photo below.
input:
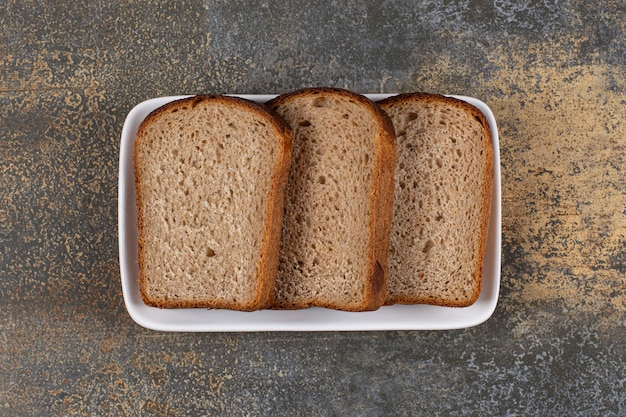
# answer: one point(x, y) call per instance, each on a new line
point(210, 172)
point(443, 192)
point(334, 248)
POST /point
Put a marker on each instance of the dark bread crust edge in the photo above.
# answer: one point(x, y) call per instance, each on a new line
point(382, 198)
point(382, 195)
point(268, 262)
point(486, 194)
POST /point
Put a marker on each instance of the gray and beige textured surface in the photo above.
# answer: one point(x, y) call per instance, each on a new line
point(552, 72)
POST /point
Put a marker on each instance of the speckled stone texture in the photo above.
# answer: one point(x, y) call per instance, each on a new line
point(552, 72)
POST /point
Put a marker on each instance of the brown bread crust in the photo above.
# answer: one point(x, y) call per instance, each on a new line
point(268, 262)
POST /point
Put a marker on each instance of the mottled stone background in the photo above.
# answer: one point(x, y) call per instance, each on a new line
point(552, 71)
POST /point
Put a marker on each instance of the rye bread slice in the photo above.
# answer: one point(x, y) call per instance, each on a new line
point(442, 202)
point(339, 198)
point(210, 173)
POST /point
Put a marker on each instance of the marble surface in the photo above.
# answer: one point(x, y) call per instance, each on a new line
point(552, 72)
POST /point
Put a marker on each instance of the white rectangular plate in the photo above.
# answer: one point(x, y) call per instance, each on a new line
point(396, 317)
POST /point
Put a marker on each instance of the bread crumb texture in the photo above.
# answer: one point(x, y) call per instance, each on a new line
point(443, 173)
point(204, 173)
point(326, 234)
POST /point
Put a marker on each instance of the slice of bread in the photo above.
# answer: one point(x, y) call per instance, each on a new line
point(339, 200)
point(442, 201)
point(210, 174)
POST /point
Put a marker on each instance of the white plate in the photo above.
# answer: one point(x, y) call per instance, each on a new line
point(396, 317)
